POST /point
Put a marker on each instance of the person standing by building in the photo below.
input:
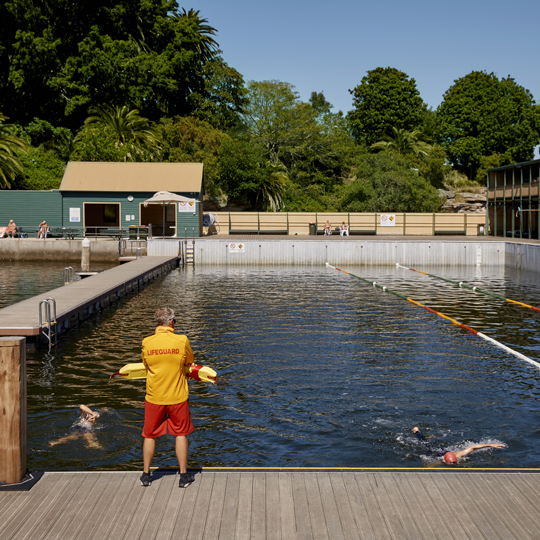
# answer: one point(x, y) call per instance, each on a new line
point(166, 405)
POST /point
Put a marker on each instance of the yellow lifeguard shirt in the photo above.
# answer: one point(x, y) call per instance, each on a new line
point(165, 354)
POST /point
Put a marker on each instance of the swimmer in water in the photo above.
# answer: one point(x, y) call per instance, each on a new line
point(434, 449)
point(83, 428)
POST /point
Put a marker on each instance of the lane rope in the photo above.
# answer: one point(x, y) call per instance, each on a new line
point(475, 289)
point(443, 316)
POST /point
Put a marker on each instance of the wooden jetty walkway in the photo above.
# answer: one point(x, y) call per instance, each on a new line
point(233, 504)
point(79, 299)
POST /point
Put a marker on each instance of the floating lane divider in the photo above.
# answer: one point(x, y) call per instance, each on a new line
point(475, 289)
point(443, 316)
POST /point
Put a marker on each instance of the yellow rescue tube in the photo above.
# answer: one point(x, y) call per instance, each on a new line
point(193, 371)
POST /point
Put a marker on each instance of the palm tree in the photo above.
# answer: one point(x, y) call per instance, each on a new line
point(127, 126)
point(207, 46)
point(271, 189)
point(403, 142)
point(10, 164)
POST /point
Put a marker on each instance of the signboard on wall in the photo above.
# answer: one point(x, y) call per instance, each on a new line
point(388, 220)
point(236, 248)
point(75, 215)
point(187, 207)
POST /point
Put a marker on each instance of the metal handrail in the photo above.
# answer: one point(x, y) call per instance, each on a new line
point(68, 275)
point(50, 320)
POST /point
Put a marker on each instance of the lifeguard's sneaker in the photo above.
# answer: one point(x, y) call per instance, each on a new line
point(146, 480)
point(185, 480)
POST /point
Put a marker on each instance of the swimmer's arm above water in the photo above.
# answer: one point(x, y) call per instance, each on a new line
point(474, 447)
point(90, 414)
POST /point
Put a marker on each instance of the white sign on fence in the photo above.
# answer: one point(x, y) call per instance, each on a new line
point(236, 248)
point(75, 215)
point(388, 220)
point(190, 206)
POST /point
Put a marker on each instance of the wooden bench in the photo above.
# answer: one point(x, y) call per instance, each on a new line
point(445, 233)
point(362, 231)
point(114, 233)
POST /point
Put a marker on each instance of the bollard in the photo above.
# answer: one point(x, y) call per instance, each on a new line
point(85, 258)
point(12, 409)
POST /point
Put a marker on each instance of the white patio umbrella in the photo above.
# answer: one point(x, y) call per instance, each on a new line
point(165, 198)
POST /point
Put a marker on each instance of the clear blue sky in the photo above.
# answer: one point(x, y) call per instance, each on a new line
point(329, 46)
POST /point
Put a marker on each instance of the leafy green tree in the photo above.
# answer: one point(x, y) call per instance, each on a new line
point(128, 126)
point(59, 58)
point(224, 97)
point(385, 98)
point(402, 142)
point(10, 148)
point(312, 146)
point(43, 170)
point(386, 183)
point(206, 46)
point(190, 140)
point(98, 142)
point(248, 177)
point(481, 115)
point(433, 166)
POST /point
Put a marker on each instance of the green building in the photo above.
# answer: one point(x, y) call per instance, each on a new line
point(103, 195)
point(512, 200)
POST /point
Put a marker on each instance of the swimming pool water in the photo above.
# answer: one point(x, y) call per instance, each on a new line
point(316, 369)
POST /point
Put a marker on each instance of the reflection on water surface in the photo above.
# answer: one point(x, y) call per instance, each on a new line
point(315, 368)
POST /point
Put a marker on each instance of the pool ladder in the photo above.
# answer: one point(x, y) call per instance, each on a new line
point(188, 256)
point(68, 275)
point(48, 328)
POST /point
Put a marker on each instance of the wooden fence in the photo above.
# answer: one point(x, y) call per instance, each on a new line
point(298, 223)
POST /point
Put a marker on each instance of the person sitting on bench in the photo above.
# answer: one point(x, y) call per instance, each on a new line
point(327, 228)
point(343, 229)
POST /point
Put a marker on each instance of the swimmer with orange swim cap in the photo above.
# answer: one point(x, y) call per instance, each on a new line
point(450, 457)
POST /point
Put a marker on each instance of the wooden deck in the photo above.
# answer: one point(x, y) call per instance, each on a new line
point(78, 300)
point(234, 504)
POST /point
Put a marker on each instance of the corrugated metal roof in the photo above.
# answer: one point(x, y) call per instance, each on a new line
point(102, 176)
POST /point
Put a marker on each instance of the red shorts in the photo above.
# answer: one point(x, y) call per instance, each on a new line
point(158, 417)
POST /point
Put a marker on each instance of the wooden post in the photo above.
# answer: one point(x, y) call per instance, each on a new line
point(12, 409)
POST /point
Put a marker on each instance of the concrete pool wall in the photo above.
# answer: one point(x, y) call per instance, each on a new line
point(471, 251)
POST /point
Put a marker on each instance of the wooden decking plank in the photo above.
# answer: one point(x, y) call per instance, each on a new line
point(319, 528)
point(72, 508)
point(387, 506)
point(106, 489)
point(508, 509)
point(344, 509)
point(230, 507)
point(524, 502)
point(215, 507)
point(330, 508)
point(9, 502)
point(171, 510)
point(202, 504)
point(369, 497)
point(188, 509)
point(258, 507)
point(391, 484)
point(358, 508)
point(153, 519)
point(44, 516)
point(447, 515)
point(23, 503)
point(418, 510)
point(120, 508)
point(301, 507)
point(286, 505)
point(273, 507)
point(458, 485)
point(35, 504)
point(245, 496)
